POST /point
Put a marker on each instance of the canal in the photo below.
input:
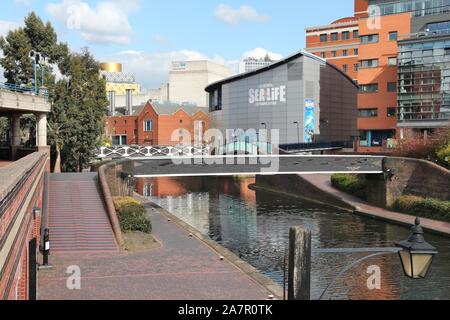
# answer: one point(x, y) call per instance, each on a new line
point(255, 225)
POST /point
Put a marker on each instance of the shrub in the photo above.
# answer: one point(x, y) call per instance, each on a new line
point(415, 146)
point(426, 208)
point(132, 215)
point(350, 184)
point(443, 155)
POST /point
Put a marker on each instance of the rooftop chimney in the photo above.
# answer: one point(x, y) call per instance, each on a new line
point(129, 101)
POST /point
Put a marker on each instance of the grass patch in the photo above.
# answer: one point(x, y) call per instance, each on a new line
point(350, 184)
point(132, 215)
point(423, 207)
point(138, 241)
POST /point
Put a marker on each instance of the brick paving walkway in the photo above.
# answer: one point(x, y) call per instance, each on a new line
point(182, 269)
point(323, 181)
point(78, 220)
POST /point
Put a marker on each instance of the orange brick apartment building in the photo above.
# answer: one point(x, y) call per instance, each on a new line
point(366, 47)
point(154, 124)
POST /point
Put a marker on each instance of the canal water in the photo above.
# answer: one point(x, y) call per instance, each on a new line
point(255, 226)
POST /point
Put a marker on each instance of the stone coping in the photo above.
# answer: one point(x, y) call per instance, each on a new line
point(11, 175)
point(246, 268)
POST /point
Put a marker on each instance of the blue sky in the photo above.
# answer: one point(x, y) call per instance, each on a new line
point(147, 35)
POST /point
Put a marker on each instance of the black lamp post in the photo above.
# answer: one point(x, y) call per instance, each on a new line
point(416, 257)
point(298, 131)
point(416, 254)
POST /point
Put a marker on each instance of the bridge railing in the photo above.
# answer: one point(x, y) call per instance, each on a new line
point(24, 89)
point(114, 152)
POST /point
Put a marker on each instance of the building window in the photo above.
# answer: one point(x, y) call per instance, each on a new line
point(372, 63)
point(323, 38)
point(368, 113)
point(355, 34)
point(393, 36)
point(215, 100)
point(323, 55)
point(346, 35)
point(119, 140)
point(355, 52)
point(356, 67)
point(372, 38)
point(391, 112)
point(345, 68)
point(392, 61)
point(392, 87)
point(334, 36)
point(148, 125)
point(345, 53)
point(368, 88)
point(334, 54)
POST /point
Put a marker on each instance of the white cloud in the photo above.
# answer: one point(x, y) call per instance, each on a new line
point(235, 16)
point(152, 69)
point(107, 23)
point(6, 26)
point(260, 53)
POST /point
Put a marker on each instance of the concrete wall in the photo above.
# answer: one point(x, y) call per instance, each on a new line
point(22, 102)
point(411, 177)
point(189, 79)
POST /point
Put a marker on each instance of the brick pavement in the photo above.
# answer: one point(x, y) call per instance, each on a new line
point(323, 182)
point(183, 268)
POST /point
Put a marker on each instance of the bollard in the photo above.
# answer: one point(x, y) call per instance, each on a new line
point(299, 274)
point(46, 247)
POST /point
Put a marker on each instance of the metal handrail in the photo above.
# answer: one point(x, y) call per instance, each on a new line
point(16, 88)
point(23, 89)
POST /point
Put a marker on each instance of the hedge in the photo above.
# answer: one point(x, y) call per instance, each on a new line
point(349, 184)
point(426, 208)
point(132, 215)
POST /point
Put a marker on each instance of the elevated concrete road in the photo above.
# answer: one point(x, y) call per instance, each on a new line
point(253, 165)
point(11, 101)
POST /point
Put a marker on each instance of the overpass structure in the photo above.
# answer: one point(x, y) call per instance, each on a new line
point(255, 165)
point(16, 101)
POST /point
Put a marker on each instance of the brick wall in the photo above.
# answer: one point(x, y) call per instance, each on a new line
point(25, 194)
point(411, 177)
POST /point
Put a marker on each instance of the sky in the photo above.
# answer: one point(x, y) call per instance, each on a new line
point(147, 35)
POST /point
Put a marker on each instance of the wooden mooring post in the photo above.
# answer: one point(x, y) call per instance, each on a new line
point(299, 277)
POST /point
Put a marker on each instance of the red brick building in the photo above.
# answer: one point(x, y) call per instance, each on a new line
point(155, 124)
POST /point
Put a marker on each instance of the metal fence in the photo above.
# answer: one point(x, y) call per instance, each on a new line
point(114, 152)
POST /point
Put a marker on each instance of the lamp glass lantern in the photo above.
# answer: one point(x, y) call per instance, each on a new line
point(416, 255)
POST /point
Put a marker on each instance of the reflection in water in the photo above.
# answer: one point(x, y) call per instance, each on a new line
point(255, 226)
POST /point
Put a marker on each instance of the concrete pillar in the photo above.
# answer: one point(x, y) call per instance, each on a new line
point(41, 123)
point(299, 286)
point(16, 130)
point(15, 135)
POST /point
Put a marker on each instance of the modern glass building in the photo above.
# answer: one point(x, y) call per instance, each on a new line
point(424, 74)
point(419, 8)
point(424, 82)
point(304, 97)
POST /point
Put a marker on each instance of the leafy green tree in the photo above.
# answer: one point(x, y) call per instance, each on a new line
point(78, 98)
point(77, 121)
point(17, 45)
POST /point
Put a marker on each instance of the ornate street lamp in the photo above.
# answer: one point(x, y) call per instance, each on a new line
point(416, 254)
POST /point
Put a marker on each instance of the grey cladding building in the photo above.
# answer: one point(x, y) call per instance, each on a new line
point(304, 97)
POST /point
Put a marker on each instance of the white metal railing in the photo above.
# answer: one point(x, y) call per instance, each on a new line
point(151, 151)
